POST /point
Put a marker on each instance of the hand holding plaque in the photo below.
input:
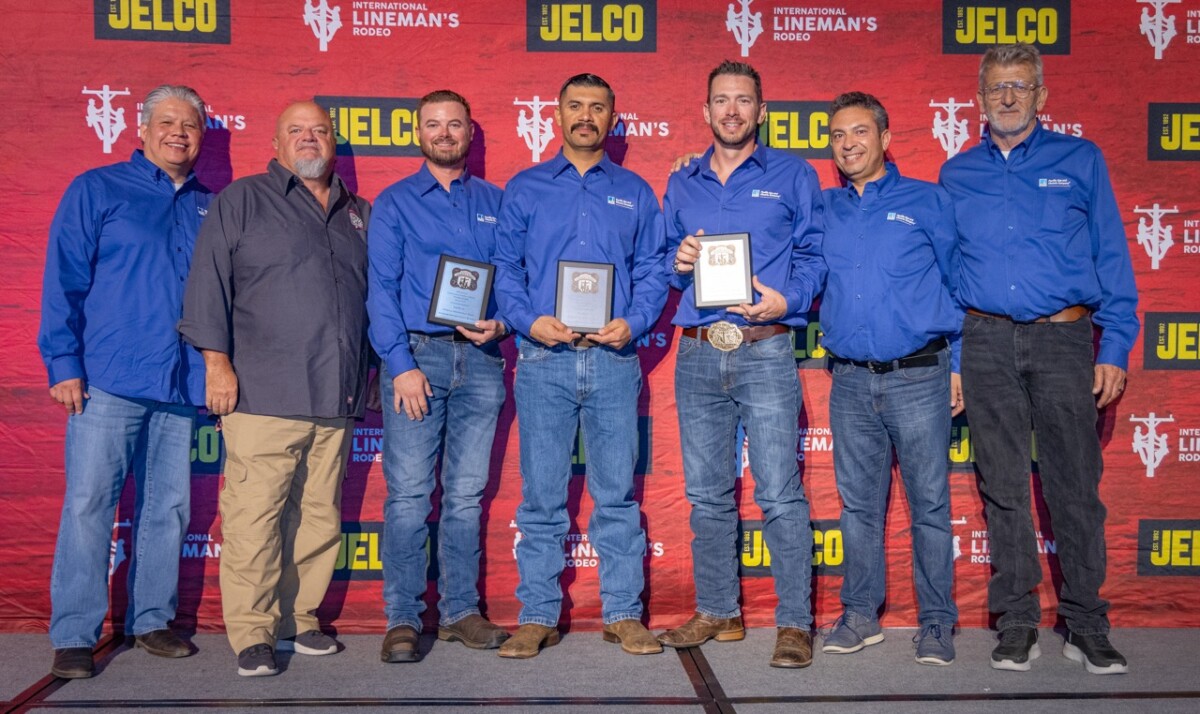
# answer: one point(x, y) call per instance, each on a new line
point(722, 273)
point(583, 300)
point(461, 292)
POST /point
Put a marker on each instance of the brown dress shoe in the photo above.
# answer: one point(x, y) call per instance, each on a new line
point(702, 628)
point(73, 663)
point(633, 636)
point(163, 643)
point(400, 645)
point(793, 648)
point(475, 632)
point(528, 640)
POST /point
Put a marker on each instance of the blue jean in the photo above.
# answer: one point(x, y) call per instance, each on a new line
point(756, 383)
point(869, 414)
point(557, 390)
point(468, 391)
point(111, 436)
point(1040, 374)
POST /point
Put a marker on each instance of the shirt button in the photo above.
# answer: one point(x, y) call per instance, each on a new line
point(1010, 228)
point(584, 213)
point(1012, 287)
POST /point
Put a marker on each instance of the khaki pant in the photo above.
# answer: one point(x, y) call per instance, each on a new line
point(281, 523)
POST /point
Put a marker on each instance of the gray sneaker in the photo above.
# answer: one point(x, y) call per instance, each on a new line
point(257, 661)
point(851, 633)
point(935, 644)
point(313, 642)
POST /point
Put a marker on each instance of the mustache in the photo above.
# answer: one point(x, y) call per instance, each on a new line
point(581, 124)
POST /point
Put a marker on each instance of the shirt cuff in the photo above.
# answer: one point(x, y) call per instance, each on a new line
point(204, 337)
point(1113, 354)
point(63, 368)
point(400, 360)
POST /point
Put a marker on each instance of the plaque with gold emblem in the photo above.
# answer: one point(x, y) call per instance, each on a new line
point(722, 275)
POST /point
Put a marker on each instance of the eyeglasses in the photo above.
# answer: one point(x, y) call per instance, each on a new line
point(1022, 90)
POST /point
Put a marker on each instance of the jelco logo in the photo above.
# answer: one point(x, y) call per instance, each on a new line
point(592, 26)
point(374, 126)
point(360, 553)
point(754, 558)
point(801, 128)
point(1171, 340)
point(1173, 132)
point(806, 344)
point(163, 20)
point(973, 27)
point(1168, 547)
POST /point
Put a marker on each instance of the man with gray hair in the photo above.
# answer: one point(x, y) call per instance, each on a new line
point(277, 306)
point(1044, 256)
point(119, 251)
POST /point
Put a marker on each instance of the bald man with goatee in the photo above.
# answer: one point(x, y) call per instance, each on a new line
point(276, 304)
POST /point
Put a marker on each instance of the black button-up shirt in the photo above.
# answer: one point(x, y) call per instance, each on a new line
point(279, 284)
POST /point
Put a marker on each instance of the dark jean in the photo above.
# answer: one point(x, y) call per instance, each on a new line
point(112, 436)
point(557, 390)
point(869, 414)
point(468, 391)
point(756, 383)
point(1039, 374)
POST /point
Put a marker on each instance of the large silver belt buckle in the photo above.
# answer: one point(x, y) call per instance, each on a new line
point(725, 336)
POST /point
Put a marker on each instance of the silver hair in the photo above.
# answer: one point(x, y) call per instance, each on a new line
point(173, 91)
point(1008, 55)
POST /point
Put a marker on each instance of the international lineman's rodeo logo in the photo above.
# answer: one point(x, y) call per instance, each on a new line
point(107, 122)
point(1148, 444)
point(1156, 238)
point(536, 130)
point(746, 26)
point(325, 21)
point(1158, 28)
point(950, 131)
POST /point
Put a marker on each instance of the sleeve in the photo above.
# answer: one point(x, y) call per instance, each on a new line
point(385, 273)
point(649, 274)
point(70, 268)
point(1117, 315)
point(208, 298)
point(512, 294)
point(808, 269)
point(675, 235)
point(945, 251)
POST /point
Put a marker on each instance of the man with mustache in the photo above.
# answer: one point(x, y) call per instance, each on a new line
point(1044, 255)
point(738, 363)
point(579, 206)
point(442, 387)
point(276, 304)
point(119, 252)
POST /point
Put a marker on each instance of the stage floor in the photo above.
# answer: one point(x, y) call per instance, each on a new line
point(583, 673)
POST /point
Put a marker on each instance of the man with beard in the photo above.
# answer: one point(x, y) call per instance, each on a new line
point(119, 252)
point(442, 387)
point(1044, 255)
point(276, 304)
point(579, 206)
point(738, 363)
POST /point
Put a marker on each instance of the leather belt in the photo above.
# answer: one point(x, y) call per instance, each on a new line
point(749, 334)
point(455, 336)
point(1067, 314)
point(927, 356)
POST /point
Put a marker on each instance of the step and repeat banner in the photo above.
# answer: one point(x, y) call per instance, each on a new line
point(1122, 73)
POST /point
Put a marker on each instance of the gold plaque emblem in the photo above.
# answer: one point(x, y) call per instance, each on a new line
point(724, 335)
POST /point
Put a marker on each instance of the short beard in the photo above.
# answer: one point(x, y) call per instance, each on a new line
point(443, 158)
point(310, 168)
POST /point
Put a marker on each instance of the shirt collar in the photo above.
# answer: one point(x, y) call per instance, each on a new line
point(427, 182)
point(1027, 144)
point(704, 163)
point(879, 186)
point(152, 170)
point(559, 164)
point(285, 181)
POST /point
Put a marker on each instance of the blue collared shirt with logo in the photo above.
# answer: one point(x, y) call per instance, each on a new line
point(1040, 231)
point(773, 196)
point(117, 263)
point(893, 257)
point(608, 215)
point(414, 222)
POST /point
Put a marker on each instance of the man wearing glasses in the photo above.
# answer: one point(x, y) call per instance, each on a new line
point(1043, 257)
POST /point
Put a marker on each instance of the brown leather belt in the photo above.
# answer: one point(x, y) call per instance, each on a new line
point(749, 334)
point(1067, 314)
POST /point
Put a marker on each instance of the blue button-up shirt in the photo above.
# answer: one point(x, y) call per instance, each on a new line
point(116, 265)
point(608, 215)
point(773, 196)
point(893, 256)
point(1040, 232)
point(414, 222)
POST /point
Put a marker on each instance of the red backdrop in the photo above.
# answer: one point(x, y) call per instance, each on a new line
point(1123, 74)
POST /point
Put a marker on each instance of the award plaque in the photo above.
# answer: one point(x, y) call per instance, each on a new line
point(584, 297)
point(722, 274)
point(461, 292)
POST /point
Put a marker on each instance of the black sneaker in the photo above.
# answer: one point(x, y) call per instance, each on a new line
point(257, 661)
point(1095, 652)
point(1018, 647)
